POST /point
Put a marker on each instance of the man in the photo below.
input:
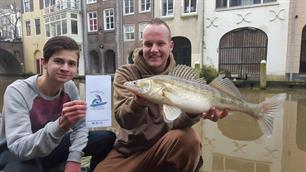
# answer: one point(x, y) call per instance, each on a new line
point(145, 142)
point(39, 113)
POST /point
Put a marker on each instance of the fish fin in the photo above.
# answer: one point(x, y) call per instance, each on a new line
point(186, 72)
point(225, 85)
point(268, 109)
point(171, 113)
point(201, 81)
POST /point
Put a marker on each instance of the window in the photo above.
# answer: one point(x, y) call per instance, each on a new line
point(190, 6)
point(129, 32)
point(167, 8)
point(55, 26)
point(74, 27)
point(74, 23)
point(239, 3)
point(221, 3)
point(141, 28)
point(48, 3)
point(37, 26)
point(64, 26)
point(92, 21)
point(109, 19)
point(234, 3)
point(145, 5)
point(267, 1)
point(74, 16)
point(91, 1)
point(58, 28)
point(26, 5)
point(28, 28)
point(128, 7)
point(48, 30)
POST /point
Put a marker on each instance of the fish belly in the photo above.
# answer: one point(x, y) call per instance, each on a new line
point(192, 103)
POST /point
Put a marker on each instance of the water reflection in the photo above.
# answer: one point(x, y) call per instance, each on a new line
point(236, 143)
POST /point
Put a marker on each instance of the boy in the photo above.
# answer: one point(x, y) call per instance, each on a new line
point(39, 113)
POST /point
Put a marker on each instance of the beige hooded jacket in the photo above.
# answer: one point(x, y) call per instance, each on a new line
point(141, 126)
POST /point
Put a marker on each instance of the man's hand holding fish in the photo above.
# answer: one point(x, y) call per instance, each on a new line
point(214, 114)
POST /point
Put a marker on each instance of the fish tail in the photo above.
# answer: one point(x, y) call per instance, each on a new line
point(268, 110)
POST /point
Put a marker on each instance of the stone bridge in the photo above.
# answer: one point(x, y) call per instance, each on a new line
point(11, 57)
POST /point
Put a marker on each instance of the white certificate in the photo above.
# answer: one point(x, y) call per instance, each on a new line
point(99, 101)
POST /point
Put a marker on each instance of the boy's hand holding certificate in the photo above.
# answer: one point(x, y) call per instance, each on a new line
point(99, 101)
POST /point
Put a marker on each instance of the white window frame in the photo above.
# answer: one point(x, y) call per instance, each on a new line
point(77, 25)
point(131, 8)
point(50, 3)
point(94, 19)
point(91, 1)
point(129, 29)
point(244, 5)
point(107, 15)
point(189, 6)
point(52, 24)
point(146, 4)
point(141, 27)
point(167, 12)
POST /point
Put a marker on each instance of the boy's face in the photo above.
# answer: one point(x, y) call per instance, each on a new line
point(62, 66)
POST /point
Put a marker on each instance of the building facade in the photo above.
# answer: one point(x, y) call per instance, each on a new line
point(11, 53)
point(185, 18)
point(64, 17)
point(101, 34)
point(44, 19)
point(239, 35)
point(114, 30)
point(33, 34)
point(296, 50)
point(135, 14)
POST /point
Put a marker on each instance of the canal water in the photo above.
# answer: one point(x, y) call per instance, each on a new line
point(236, 144)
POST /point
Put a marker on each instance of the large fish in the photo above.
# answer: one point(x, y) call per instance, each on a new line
point(181, 91)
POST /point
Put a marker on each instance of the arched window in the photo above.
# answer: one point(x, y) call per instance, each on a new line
point(303, 52)
point(94, 62)
point(182, 50)
point(241, 51)
point(109, 61)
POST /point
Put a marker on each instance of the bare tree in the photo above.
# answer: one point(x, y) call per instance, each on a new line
point(11, 13)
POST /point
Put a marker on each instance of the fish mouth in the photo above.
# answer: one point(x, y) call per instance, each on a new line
point(130, 86)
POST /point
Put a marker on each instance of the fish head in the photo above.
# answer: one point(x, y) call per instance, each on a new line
point(139, 87)
point(147, 88)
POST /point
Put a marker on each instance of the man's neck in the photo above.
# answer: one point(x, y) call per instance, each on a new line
point(160, 69)
point(46, 87)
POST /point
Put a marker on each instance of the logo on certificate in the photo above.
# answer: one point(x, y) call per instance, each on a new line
point(97, 102)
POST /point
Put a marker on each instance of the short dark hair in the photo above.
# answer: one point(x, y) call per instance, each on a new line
point(58, 43)
point(158, 21)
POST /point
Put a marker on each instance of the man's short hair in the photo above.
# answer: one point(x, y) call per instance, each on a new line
point(58, 43)
point(158, 21)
